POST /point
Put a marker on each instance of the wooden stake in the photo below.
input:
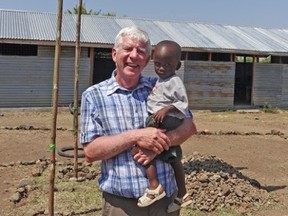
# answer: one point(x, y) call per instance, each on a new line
point(55, 107)
point(76, 84)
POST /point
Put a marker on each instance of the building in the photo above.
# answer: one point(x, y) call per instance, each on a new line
point(223, 66)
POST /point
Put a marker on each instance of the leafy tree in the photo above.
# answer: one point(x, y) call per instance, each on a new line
point(88, 12)
point(109, 14)
point(266, 60)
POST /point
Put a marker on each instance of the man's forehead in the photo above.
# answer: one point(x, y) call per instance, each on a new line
point(130, 42)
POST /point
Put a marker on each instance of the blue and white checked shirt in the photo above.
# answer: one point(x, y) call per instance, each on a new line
point(107, 109)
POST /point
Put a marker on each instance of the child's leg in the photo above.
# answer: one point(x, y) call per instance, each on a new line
point(155, 191)
point(151, 172)
point(180, 178)
point(183, 199)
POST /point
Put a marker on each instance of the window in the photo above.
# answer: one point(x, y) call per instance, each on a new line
point(220, 57)
point(18, 49)
point(198, 56)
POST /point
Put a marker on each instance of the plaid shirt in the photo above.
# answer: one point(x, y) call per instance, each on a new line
point(107, 109)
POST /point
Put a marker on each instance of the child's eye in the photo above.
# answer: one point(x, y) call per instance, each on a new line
point(157, 64)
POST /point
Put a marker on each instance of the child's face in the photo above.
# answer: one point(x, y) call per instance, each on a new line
point(166, 62)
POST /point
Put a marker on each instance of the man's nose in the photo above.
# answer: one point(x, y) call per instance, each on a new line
point(134, 52)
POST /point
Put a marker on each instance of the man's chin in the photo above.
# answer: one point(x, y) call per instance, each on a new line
point(132, 71)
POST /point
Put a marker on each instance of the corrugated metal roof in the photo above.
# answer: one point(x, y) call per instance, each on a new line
point(37, 26)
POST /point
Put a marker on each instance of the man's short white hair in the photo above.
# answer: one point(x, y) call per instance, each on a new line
point(135, 33)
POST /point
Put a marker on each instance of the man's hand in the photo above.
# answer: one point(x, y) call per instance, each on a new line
point(153, 139)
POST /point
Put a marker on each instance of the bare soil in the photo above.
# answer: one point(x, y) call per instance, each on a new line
point(254, 142)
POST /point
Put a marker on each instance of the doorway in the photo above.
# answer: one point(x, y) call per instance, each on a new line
point(103, 65)
point(243, 83)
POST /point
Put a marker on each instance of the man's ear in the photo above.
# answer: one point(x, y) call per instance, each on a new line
point(113, 54)
point(178, 66)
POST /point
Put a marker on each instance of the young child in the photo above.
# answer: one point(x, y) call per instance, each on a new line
point(167, 106)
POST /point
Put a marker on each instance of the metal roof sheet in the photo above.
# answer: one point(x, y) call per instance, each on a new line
point(40, 26)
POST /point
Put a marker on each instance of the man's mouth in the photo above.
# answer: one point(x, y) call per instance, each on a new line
point(132, 65)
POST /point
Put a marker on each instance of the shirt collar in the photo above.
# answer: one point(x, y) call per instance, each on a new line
point(113, 85)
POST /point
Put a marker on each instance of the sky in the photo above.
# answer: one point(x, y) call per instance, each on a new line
point(255, 13)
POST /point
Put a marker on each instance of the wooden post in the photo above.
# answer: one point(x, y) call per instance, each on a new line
point(232, 57)
point(91, 73)
point(209, 56)
point(76, 86)
point(52, 146)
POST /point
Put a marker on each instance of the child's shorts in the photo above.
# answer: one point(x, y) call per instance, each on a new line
point(172, 155)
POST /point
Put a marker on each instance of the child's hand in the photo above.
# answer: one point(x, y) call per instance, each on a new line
point(142, 156)
point(160, 114)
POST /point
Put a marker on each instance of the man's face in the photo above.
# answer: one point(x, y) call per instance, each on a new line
point(130, 57)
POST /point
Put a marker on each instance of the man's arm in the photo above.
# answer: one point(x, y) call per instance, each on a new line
point(182, 133)
point(176, 136)
point(105, 147)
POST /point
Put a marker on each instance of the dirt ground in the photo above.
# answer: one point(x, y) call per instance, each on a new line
point(259, 149)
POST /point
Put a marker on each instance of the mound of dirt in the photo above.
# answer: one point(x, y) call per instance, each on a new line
point(214, 184)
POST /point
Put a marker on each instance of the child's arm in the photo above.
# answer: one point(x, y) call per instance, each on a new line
point(160, 114)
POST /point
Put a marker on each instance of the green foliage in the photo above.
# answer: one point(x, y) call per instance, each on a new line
point(229, 111)
point(82, 198)
point(219, 212)
point(249, 59)
point(228, 212)
point(85, 11)
point(266, 60)
point(268, 108)
point(109, 14)
point(242, 59)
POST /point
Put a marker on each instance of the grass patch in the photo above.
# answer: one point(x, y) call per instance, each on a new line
point(220, 212)
point(79, 198)
point(270, 110)
point(267, 108)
